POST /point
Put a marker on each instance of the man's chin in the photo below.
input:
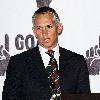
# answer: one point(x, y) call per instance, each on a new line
point(48, 46)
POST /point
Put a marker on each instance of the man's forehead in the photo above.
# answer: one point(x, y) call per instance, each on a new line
point(44, 25)
point(44, 19)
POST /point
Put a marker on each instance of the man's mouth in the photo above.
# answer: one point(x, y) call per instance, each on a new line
point(46, 40)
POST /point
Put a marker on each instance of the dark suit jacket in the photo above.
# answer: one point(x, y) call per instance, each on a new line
point(26, 78)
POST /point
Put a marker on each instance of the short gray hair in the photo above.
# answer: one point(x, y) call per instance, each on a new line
point(44, 10)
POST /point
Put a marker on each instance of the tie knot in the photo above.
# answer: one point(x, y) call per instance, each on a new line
point(50, 53)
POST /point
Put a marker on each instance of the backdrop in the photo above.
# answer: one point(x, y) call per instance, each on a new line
point(81, 21)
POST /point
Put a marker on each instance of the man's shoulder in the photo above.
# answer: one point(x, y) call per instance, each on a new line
point(70, 54)
point(24, 55)
point(21, 61)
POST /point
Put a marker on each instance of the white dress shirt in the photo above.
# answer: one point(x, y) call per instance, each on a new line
point(46, 57)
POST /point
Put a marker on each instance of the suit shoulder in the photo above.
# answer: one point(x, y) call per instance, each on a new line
point(19, 61)
point(73, 58)
point(72, 54)
point(22, 56)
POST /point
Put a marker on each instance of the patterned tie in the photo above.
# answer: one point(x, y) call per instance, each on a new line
point(53, 76)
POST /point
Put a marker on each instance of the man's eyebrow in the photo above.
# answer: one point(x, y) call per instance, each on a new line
point(44, 25)
point(37, 26)
point(49, 24)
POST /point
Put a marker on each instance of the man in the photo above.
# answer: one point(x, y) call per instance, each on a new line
point(47, 70)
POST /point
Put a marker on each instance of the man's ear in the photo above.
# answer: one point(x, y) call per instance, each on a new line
point(34, 31)
point(60, 28)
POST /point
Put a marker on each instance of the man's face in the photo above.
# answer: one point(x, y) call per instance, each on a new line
point(46, 30)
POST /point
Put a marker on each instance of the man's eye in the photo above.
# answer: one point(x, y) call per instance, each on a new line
point(49, 26)
point(38, 28)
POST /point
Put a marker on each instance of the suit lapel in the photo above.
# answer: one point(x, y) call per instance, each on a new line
point(63, 64)
point(39, 66)
point(37, 59)
point(62, 61)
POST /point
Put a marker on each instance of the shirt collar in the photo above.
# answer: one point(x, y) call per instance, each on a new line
point(46, 57)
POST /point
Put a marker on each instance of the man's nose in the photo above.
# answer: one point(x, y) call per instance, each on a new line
point(44, 30)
